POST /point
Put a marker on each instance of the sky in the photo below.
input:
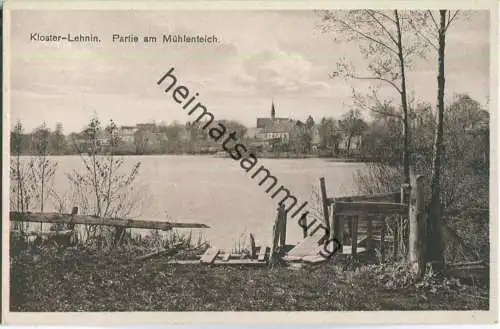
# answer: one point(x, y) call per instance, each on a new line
point(261, 56)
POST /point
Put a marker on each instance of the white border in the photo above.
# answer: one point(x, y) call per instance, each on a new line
point(358, 318)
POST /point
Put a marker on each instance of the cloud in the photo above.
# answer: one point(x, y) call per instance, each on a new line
point(279, 73)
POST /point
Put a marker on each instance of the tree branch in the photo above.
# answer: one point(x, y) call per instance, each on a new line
point(381, 13)
point(450, 19)
point(432, 16)
point(424, 37)
point(382, 26)
point(363, 105)
point(378, 78)
point(366, 36)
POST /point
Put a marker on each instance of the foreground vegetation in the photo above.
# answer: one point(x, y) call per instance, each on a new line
point(87, 280)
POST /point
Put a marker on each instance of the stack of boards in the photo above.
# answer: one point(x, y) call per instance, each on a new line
point(214, 256)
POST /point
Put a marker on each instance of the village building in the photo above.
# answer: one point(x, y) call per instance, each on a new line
point(271, 130)
point(126, 133)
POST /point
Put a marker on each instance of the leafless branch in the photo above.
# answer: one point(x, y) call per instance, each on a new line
point(424, 37)
point(378, 78)
point(384, 15)
point(435, 23)
point(365, 35)
point(370, 12)
point(451, 18)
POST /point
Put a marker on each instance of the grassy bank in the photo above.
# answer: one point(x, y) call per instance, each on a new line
point(86, 280)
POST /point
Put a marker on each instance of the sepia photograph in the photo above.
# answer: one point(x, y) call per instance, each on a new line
point(249, 159)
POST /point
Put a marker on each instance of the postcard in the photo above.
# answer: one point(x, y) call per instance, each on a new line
point(249, 162)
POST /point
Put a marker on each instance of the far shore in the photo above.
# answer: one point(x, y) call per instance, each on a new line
point(224, 156)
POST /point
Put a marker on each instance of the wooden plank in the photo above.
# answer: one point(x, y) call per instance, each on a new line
point(308, 246)
point(324, 201)
point(354, 236)
point(209, 255)
point(92, 220)
point(231, 262)
point(262, 253)
point(356, 208)
point(252, 246)
point(367, 197)
point(313, 259)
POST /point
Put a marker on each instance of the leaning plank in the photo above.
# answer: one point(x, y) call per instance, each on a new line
point(92, 220)
point(356, 208)
point(314, 259)
point(209, 255)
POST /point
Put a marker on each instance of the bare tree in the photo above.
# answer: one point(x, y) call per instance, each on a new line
point(388, 43)
point(434, 33)
point(103, 189)
point(42, 168)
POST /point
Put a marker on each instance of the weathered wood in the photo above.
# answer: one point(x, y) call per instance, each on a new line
point(370, 227)
point(324, 201)
point(262, 253)
point(209, 255)
point(253, 251)
point(355, 208)
point(226, 256)
point(365, 197)
point(282, 223)
point(382, 244)
point(416, 224)
point(334, 223)
point(231, 262)
point(341, 226)
point(354, 236)
point(92, 220)
point(277, 235)
point(308, 246)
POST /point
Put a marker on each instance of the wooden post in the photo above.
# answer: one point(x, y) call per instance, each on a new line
point(282, 220)
point(417, 225)
point(369, 231)
point(324, 200)
point(382, 241)
point(277, 227)
point(335, 227)
point(341, 225)
point(350, 220)
point(354, 236)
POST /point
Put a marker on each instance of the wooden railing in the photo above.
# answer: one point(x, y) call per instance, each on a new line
point(365, 216)
point(70, 219)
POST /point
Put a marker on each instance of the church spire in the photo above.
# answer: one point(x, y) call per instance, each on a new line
point(273, 111)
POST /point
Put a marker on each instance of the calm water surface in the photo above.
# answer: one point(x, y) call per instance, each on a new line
point(219, 193)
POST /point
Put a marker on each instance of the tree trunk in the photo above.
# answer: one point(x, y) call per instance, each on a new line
point(434, 251)
point(404, 105)
point(349, 145)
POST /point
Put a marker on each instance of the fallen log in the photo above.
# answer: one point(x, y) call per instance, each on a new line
point(93, 220)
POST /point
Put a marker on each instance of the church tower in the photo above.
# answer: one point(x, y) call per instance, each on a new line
point(273, 111)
